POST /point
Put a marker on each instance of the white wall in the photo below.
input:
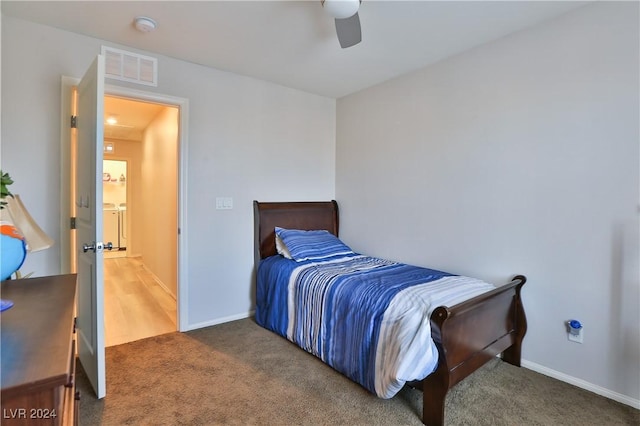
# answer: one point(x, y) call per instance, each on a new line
point(248, 139)
point(517, 157)
point(160, 197)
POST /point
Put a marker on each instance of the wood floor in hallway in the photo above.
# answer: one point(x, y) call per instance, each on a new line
point(136, 306)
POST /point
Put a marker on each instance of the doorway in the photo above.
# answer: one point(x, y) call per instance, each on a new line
point(122, 134)
point(140, 197)
point(81, 248)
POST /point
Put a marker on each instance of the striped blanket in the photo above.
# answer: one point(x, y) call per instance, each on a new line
point(368, 318)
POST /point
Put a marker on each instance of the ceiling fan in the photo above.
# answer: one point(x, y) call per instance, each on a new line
point(347, 20)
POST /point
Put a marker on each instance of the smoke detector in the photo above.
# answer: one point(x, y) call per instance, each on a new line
point(144, 24)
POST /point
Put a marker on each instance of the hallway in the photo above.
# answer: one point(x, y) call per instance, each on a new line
point(136, 306)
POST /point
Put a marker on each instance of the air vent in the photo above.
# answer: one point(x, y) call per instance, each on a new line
point(131, 67)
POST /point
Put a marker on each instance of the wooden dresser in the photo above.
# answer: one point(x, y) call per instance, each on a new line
point(38, 352)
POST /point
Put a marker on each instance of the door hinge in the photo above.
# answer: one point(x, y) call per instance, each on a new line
point(72, 223)
point(74, 121)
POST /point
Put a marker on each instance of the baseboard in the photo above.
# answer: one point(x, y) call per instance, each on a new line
point(635, 403)
point(159, 282)
point(218, 321)
point(114, 254)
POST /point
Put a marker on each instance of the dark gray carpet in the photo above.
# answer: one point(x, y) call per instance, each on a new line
point(238, 373)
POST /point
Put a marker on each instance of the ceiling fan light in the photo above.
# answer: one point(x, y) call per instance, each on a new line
point(341, 9)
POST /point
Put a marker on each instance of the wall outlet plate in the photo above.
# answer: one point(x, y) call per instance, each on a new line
point(578, 338)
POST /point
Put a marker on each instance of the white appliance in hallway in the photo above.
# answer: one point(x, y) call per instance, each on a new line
point(111, 226)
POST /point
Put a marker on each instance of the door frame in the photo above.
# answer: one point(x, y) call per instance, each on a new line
point(66, 87)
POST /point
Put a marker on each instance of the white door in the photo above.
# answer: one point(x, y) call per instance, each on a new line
point(90, 322)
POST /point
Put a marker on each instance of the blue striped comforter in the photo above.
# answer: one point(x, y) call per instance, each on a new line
point(368, 318)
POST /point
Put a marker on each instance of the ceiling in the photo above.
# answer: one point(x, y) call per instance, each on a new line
point(132, 117)
point(293, 43)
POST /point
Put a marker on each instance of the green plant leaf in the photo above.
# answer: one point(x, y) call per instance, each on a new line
point(5, 181)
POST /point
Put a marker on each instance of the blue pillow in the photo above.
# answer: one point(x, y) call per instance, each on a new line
point(310, 245)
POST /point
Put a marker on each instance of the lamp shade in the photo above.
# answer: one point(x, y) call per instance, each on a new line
point(341, 9)
point(34, 236)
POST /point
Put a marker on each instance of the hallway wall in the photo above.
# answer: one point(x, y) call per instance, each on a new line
point(159, 169)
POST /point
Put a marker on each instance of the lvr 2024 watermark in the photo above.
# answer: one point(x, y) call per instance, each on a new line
point(31, 413)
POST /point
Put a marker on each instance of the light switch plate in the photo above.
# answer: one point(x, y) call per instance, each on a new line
point(224, 203)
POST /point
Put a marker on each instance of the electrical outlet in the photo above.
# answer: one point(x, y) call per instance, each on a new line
point(578, 338)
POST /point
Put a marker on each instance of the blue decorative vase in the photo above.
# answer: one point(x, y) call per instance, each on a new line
point(13, 250)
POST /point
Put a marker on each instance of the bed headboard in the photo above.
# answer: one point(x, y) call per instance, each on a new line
point(307, 215)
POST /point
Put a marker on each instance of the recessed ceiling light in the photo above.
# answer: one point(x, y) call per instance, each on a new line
point(112, 120)
point(145, 24)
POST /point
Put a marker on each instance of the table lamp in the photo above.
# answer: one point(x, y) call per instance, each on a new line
point(20, 235)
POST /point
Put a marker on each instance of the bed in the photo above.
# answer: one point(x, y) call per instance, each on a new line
point(463, 336)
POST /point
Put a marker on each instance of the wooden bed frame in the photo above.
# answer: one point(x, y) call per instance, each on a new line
point(467, 335)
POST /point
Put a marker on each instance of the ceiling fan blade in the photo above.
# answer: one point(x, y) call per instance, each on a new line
point(348, 30)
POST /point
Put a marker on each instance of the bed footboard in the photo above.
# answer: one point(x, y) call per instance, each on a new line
point(470, 334)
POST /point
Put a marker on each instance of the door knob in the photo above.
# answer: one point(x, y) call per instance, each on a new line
point(97, 247)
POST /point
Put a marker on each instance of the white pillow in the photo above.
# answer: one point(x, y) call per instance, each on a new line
point(281, 248)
